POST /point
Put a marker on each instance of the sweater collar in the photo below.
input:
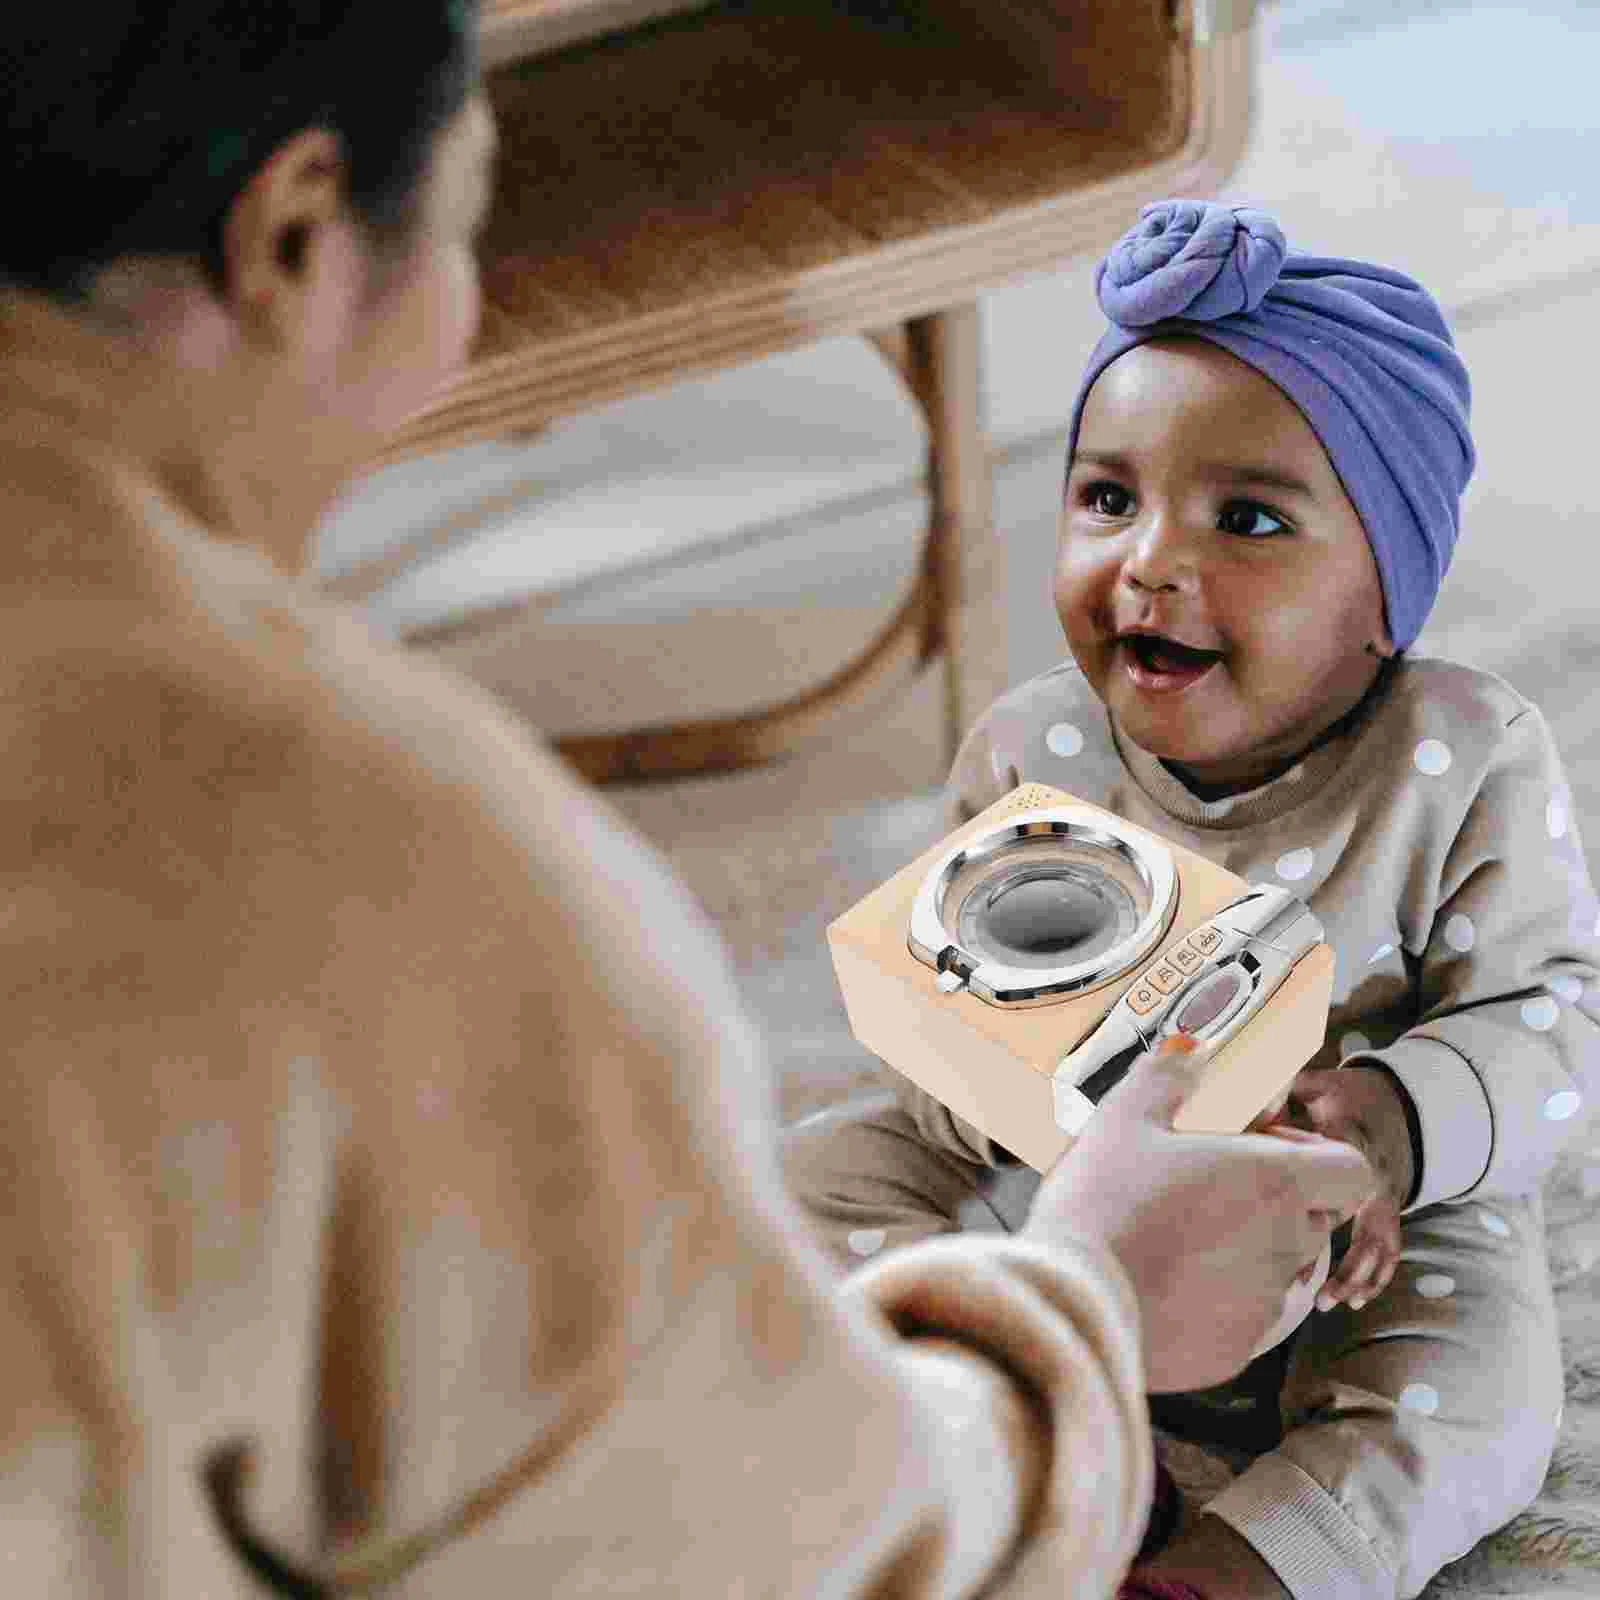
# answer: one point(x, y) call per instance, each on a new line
point(1309, 776)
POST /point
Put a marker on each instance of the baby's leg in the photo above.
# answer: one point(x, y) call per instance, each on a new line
point(866, 1179)
point(1418, 1425)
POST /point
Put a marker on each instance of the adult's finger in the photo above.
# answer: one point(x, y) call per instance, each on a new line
point(1269, 1115)
point(1328, 1174)
point(1287, 1130)
point(1159, 1082)
point(1326, 1217)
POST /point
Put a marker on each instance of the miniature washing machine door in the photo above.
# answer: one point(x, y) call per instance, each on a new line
point(1048, 905)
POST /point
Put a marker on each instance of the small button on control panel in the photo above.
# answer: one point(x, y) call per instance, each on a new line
point(1144, 997)
point(1183, 964)
point(1186, 959)
point(1165, 976)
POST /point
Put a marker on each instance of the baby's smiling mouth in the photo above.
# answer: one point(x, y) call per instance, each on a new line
point(1164, 656)
point(1155, 664)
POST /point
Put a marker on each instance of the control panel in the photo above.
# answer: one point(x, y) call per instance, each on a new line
point(1208, 986)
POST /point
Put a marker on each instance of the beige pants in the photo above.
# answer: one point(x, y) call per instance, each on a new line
point(1402, 1433)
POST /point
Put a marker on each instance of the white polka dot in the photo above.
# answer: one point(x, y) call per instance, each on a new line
point(1064, 739)
point(1000, 765)
point(1459, 933)
point(1350, 1043)
point(1568, 987)
point(1378, 954)
point(1432, 756)
point(866, 1241)
point(1421, 1397)
point(1295, 864)
point(1494, 1223)
point(1540, 1013)
point(1562, 1104)
point(1435, 1285)
point(1555, 815)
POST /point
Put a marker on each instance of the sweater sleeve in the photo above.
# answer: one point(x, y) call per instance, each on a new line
point(1505, 1054)
point(1057, 1322)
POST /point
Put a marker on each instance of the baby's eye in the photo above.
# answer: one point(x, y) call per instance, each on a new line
point(1109, 499)
point(1246, 517)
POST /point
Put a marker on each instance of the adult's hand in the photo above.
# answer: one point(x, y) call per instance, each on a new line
point(1211, 1228)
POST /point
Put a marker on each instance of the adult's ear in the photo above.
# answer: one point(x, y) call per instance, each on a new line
point(295, 266)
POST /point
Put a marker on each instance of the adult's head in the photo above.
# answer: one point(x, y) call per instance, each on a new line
point(274, 201)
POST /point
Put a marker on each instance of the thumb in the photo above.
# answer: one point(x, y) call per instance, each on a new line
point(1160, 1080)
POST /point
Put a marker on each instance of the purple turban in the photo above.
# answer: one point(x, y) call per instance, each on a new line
point(1362, 351)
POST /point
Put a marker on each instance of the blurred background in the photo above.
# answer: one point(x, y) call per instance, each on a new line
point(1456, 142)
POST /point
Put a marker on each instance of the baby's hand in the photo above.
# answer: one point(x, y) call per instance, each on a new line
point(1370, 1262)
point(1362, 1108)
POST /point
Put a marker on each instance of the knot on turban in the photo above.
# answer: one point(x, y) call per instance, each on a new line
point(1362, 350)
point(1190, 258)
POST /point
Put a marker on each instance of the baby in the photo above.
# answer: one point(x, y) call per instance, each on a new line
point(1265, 464)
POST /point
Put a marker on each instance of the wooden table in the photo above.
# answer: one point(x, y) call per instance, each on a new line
point(686, 186)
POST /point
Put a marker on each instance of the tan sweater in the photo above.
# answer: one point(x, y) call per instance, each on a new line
point(1436, 840)
point(375, 1099)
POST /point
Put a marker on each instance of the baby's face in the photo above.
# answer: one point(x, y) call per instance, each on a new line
point(1201, 506)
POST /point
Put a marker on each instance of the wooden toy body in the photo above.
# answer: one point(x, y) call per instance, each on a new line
point(994, 1066)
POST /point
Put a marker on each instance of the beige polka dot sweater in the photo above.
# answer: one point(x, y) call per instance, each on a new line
point(1435, 838)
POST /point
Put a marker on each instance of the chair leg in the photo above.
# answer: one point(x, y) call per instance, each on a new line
point(967, 557)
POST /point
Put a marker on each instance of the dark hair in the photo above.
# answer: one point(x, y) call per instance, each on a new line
point(130, 127)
